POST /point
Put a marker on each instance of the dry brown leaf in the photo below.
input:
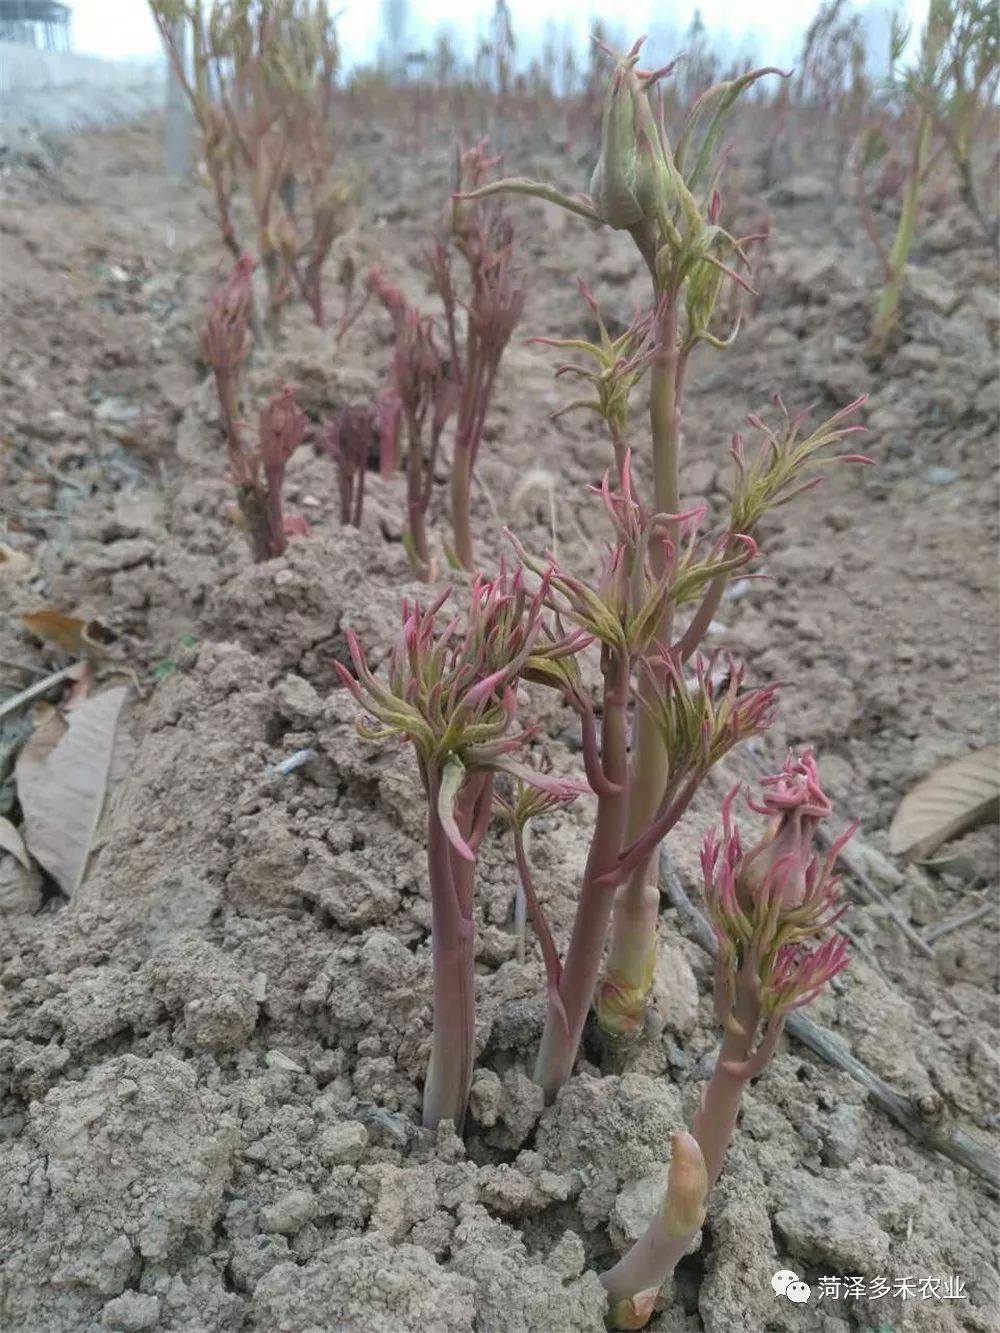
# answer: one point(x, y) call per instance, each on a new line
point(50, 727)
point(79, 638)
point(63, 782)
point(65, 632)
point(11, 841)
point(954, 798)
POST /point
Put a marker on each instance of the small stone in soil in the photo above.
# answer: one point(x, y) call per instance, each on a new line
point(635, 1207)
point(275, 1060)
point(941, 476)
point(131, 1312)
point(567, 1258)
point(706, 1065)
point(521, 1103)
point(290, 1213)
point(842, 1138)
point(484, 1098)
point(343, 1143)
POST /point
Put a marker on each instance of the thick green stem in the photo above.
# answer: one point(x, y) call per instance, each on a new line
point(621, 1003)
point(664, 414)
point(464, 453)
point(888, 308)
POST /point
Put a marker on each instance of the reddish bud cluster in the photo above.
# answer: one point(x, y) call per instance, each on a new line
point(771, 905)
point(224, 336)
point(258, 474)
point(451, 687)
point(348, 439)
point(422, 395)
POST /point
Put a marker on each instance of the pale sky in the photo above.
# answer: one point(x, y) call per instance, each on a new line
point(120, 28)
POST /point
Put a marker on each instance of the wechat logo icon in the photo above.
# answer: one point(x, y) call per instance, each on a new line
point(787, 1283)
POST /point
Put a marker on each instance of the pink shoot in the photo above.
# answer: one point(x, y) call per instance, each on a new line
point(349, 439)
point(261, 81)
point(450, 691)
point(620, 364)
point(493, 300)
point(634, 1282)
point(662, 583)
point(282, 428)
point(644, 573)
point(421, 397)
point(772, 909)
point(782, 466)
point(258, 474)
point(776, 954)
point(224, 346)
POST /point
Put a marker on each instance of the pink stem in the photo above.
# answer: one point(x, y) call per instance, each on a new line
point(550, 955)
point(638, 852)
point(582, 964)
point(716, 1117)
point(453, 936)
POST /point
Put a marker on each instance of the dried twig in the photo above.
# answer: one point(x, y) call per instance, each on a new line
point(937, 932)
point(40, 687)
point(873, 894)
point(924, 1120)
point(862, 947)
point(61, 478)
point(22, 666)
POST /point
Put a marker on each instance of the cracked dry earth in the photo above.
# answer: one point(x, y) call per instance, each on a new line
point(211, 1059)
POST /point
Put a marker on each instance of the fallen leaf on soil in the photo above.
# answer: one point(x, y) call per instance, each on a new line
point(11, 841)
point(49, 729)
point(13, 563)
point(79, 638)
point(955, 797)
point(64, 775)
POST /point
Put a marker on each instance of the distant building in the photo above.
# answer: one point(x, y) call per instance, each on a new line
point(41, 23)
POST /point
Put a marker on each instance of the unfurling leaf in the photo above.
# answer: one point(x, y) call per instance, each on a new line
point(64, 774)
point(954, 798)
point(11, 841)
point(451, 784)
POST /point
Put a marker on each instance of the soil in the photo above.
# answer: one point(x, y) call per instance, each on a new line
point(211, 1058)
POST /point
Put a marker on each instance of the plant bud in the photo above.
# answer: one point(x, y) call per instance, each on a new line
point(687, 1187)
point(778, 864)
point(782, 866)
point(634, 1311)
point(630, 180)
point(282, 429)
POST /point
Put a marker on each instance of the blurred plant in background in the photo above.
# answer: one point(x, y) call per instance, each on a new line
point(438, 372)
point(257, 472)
point(261, 85)
point(938, 105)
